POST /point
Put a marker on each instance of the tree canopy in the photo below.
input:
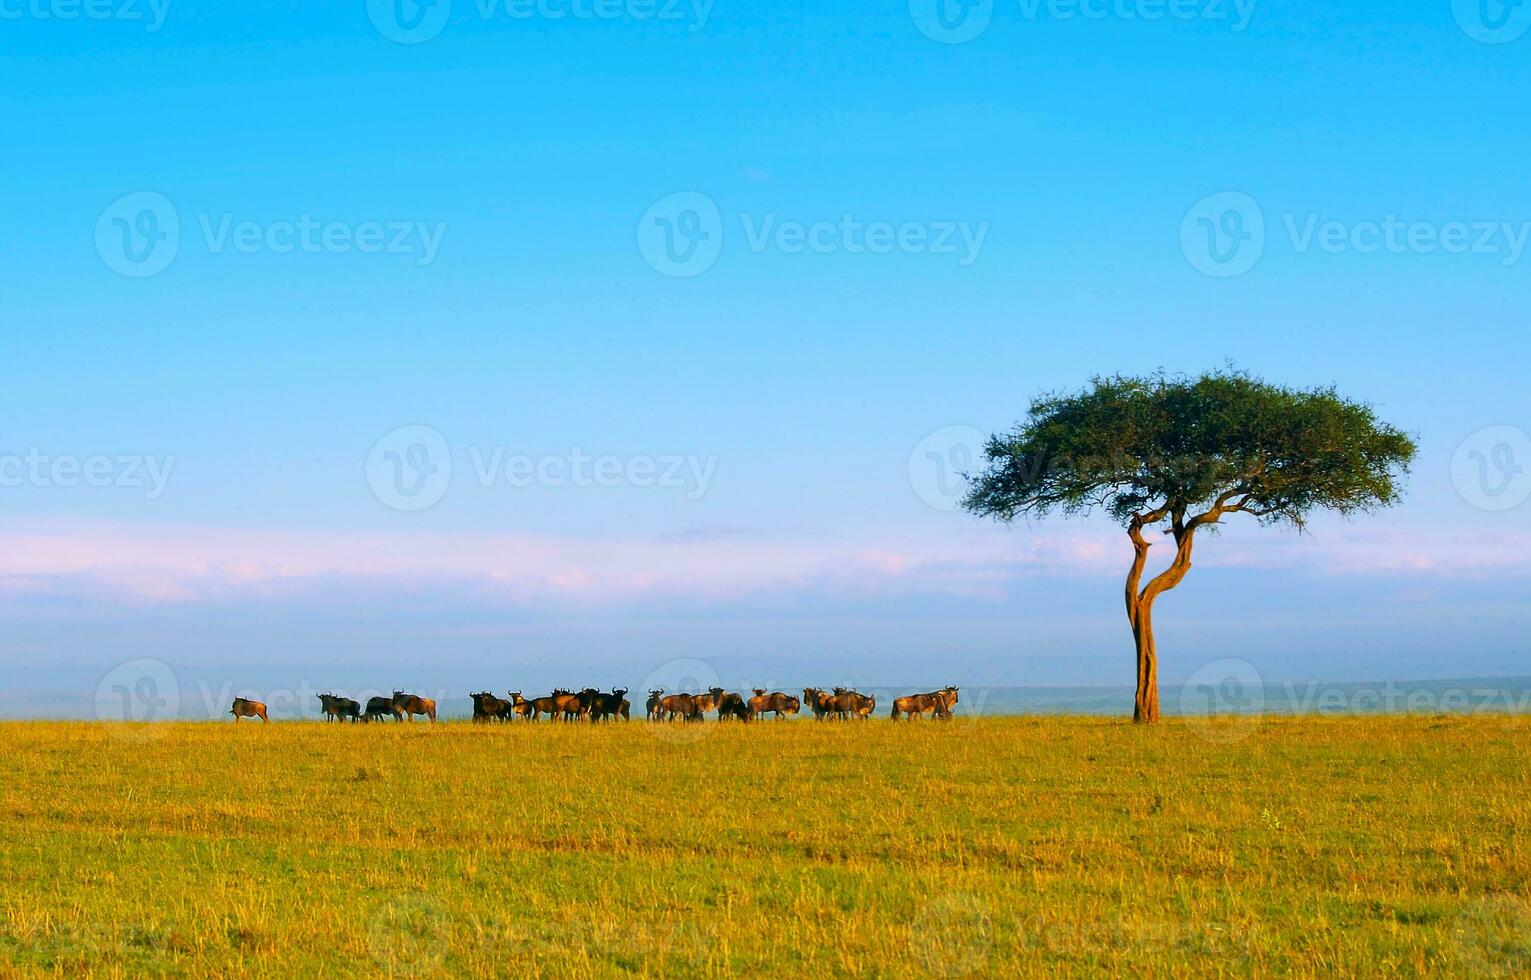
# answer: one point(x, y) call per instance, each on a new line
point(1166, 447)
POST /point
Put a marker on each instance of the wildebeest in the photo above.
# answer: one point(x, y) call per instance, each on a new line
point(653, 706)
point(519, 706)
point(487, 707)
point(734, 706)
point(613, 705)
point(550, 705)
point(710, 701)
point(690, 707)
point(847, 704)
point(378, 708)
point(406, 706)
point(573, 706)
point(916, 705)
point(337, 708)
point(245, 708)
point(821, 703)
point(781, 704)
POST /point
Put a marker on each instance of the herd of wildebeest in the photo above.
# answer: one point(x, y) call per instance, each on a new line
point(591, 704)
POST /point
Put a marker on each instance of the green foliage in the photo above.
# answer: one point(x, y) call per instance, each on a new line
point(1162, 447)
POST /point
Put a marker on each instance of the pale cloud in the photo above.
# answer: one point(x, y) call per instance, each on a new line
point(149, 564)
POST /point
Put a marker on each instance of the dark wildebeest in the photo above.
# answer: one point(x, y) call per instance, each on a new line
point(378, 708)
point(518, 706)
point(337, 708)
point(652, 707)
point(406, 706)
point(916, 705)
point(948, 700)
point(821, 703)
point(487, 707)
point(613, 705)
point(782, 704)
point(734, 706)
point(245, 708)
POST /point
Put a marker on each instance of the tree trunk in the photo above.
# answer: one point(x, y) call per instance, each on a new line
point(1145, 704)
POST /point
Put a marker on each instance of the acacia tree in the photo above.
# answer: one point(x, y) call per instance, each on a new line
point(1177, 455)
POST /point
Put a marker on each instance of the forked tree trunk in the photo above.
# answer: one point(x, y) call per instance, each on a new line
point(1145, 703)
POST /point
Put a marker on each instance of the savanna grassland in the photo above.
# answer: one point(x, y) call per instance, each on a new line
point(995, 847)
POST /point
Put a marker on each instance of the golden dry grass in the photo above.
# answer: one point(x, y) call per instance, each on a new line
point(996, 847)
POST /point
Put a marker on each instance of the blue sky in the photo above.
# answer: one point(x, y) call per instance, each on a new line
point(515, 161)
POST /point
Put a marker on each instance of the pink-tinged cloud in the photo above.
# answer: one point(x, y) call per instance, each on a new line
point(180, 564)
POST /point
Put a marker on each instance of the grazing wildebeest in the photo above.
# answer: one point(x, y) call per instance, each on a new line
point(653, 707)
point(916, 705)
point(245, 708)
point(733, 706)
point(337, 708)
point(406, 706)
point(378, 708)
point(487, 707)
point(821, 703)
point(782, 704)
point(613, 705)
